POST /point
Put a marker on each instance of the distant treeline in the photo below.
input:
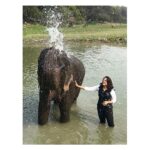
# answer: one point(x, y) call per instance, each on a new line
point(76, 14)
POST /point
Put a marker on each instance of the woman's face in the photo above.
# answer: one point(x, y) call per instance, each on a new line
point(104, 82)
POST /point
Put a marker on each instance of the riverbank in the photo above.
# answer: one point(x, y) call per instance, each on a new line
point(106, 33)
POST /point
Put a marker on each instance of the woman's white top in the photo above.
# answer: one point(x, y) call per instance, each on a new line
point(96, 88)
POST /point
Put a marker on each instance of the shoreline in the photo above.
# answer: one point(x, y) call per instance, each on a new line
point(44, 42)
point(103, 33)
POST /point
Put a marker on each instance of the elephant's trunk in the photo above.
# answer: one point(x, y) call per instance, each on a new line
point(54, 95)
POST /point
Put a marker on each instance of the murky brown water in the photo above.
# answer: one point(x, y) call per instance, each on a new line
point(84, 128)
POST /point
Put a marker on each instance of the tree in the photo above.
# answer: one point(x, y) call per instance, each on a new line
point(32, 14)
point(75, 14)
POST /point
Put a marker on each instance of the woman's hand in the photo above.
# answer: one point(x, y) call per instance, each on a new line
point(105, 103)
point(79, 86)
point(76, 84)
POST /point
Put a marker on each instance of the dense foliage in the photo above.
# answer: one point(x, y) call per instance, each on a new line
point(76, 14)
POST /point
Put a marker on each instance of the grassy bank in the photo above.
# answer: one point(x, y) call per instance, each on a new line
point(110, 33)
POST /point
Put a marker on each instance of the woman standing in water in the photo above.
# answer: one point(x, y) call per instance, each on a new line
point(107, 97)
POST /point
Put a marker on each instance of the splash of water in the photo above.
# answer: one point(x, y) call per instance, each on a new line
point(56, 38)
point(54, 19)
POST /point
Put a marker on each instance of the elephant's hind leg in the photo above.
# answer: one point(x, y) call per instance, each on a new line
point(44, 107)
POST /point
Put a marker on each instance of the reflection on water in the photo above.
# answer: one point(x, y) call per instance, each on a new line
point(83, 128)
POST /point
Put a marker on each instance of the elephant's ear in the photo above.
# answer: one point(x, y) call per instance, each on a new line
point(65, 60)
point(67, 84)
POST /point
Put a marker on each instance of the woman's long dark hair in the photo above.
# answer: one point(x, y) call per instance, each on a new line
point(109, 83)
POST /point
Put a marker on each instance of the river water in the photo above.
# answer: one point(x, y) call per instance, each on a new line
point(84, 128)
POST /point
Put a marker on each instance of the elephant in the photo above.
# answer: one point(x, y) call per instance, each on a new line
point(56, 75)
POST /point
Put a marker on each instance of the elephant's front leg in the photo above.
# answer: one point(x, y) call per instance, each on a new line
point(44, 107)
point(64, 107)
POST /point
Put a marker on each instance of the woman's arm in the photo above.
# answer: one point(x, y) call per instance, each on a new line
point(94, 88)
point(107, 102)
point(113, 94)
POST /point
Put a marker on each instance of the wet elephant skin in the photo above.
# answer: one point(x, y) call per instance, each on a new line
point(57, 70)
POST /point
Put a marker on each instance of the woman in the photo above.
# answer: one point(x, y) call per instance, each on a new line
point(107, 97)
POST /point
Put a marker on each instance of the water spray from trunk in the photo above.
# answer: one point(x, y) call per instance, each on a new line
point(54, 19)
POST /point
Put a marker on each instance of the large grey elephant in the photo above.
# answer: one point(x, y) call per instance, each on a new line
point(56, 75)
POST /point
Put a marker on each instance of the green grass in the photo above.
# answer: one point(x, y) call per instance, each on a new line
point(95, 32)
point(34, 31)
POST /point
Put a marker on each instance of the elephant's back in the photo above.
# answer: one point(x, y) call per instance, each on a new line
point(77, 64)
